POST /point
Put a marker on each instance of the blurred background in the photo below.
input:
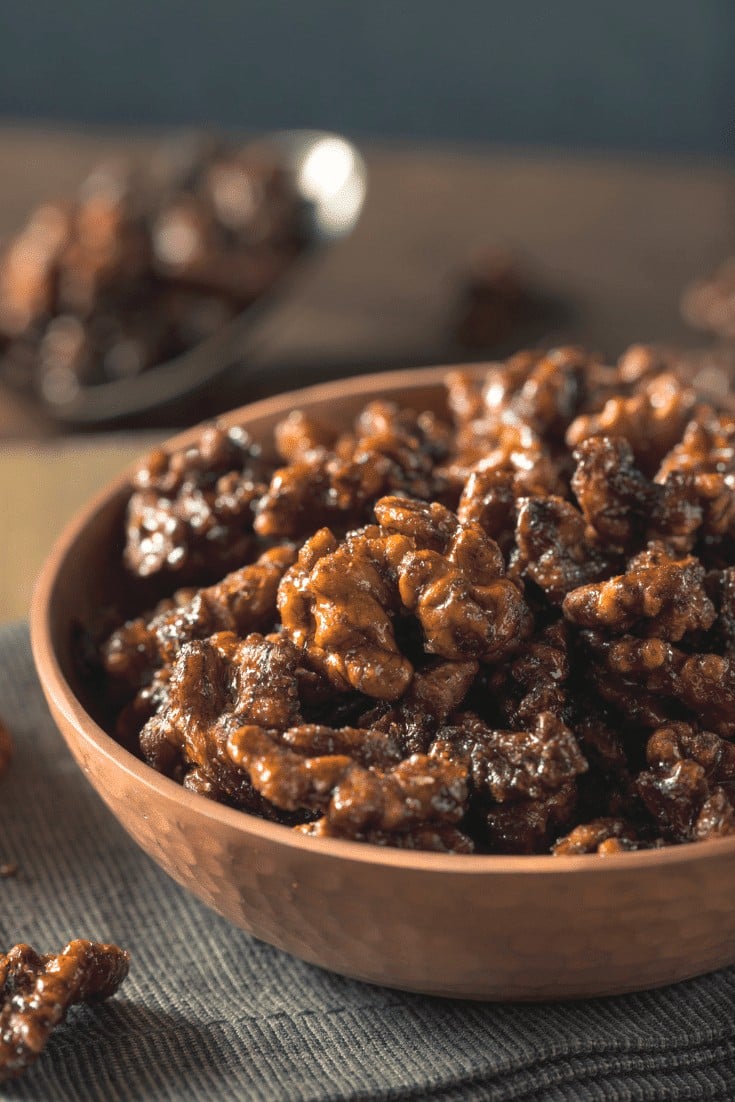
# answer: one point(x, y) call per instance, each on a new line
point(655, 76)
point(535, 173)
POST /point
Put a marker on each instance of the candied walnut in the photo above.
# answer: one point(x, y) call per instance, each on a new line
point(682, 505)
point(135, 270)
point(6, 748)
point(191, 511)
point(489, 499)
point(652, 420)
point(552, 549)
point(656, 596)
point(216, 685)
point(369, 747)
point(720, 586)
point(645, 678)
point(512, 765)
point(464, 603)
point(513, 447)
point(625, 510)
point(650, 674)
point(439, 838)
point(678, 741)
point(529, 825)
point(535, 681)
point(38, 990)
point(440, 687)
point(353, 798)
point(706, 685)
point(430, 525)
point(553, 392)
point(706, 447)
point(340, 599)
point(510, 421)
point(634, 675)
point(641, 361)
point(451, 561)
point(542, 389)
point(298, 434)
point(464, 397)
point(315, 490)
point(691, 775)
point(243, 602)
point(436, 690)
point(603, 836)
point(390, 429)
point(717, 817)
point(697, 479)
point(391, 451)
point(336, 604)
point(614, 496)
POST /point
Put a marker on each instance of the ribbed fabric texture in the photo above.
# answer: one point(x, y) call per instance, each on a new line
point(209, 1013)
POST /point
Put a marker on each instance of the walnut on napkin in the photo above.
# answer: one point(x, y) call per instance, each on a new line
point(37, 990)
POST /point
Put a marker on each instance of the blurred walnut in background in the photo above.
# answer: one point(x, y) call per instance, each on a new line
point(143, 264)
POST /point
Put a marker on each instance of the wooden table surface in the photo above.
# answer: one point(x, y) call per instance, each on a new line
point(615, 240)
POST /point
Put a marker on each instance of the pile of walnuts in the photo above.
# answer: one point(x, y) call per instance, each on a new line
point(143, 264)
point(512, 631)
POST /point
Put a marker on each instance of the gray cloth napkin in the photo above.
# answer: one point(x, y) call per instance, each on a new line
point(209, 1013)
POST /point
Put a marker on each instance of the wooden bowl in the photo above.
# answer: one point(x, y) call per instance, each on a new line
point(481, 927)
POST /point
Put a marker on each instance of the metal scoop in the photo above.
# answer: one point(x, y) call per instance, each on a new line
point(330, 178)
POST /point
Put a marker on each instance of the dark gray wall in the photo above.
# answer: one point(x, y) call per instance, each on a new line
point(637, 74)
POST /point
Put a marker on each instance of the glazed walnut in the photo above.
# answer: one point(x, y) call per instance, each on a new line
point(353, 798)
point(603, 836)
point(244, 601)
point(652, 420)
point(625, 510)
point(341, 601)
point(541, 389)
point(216, 685)
point(437, 690)
point(528, 826)
point(510, 765)
point(657, 596)
point(707, 446)
point(536, 680)
point(337, 605)
point(690, 783)
point(552, 549)
point(489, 498)
point(191, 512)
point(390, 451)
point(37, 991)
point(465, 605)
point(646, 678)
point(613, 494)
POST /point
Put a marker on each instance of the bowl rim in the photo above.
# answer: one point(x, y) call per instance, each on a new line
point(59, 691)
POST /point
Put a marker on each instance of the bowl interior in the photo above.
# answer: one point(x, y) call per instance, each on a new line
point(85, 585)
point(84, 576)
